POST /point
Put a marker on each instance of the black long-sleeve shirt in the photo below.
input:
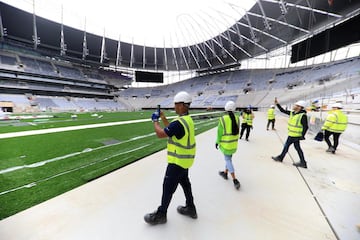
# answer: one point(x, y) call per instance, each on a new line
point(304, 120)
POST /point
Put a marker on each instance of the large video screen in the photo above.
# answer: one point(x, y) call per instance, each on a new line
point(339, 36)
point(154, 77)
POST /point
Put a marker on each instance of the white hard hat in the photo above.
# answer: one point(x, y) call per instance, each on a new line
point(182, 97)
point(230, 106)
point(301, 103)
point(337, 105)
point(272, 105)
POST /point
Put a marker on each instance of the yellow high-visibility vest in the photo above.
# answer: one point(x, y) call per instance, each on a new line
point(228, 142)
point(271, 114)
point(336, 121)
point(247, 118)
point(182, 151)
point(295, 127)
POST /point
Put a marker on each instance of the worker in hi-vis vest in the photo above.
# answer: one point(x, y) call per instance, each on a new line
point(271, 117)
point(335, 124)
point(247, 122)
point(297, 127)
point(180, 157)
point(227, 140)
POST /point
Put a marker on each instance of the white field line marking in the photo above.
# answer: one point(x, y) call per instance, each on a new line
point(72, 170)
point(71, 128)
point(64, 129)
point(37, 164)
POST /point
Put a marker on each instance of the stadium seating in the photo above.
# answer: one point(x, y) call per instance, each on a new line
point(75, 87)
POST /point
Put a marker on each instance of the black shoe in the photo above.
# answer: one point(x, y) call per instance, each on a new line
point(300, 164)
point(277, 158)
point(247, 139)
point(223, 174)
point(187, 211)
point(236, 183)
point(155, 218)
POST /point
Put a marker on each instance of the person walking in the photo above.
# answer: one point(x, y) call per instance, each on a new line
point(297, 128)
point(247, 123)
point(181, 154)
point(335, 124)
point(227, 140)
point(271, 117)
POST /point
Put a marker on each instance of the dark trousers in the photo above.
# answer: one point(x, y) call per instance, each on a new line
point(296, 142)
point(245, 126)
point(272, 121)
point(174, 176)
point(336, 137)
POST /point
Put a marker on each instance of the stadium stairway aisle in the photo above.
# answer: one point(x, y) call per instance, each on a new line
point(275, 201)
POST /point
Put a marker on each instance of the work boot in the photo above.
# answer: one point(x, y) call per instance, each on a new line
point(155, 218)
point(187, 211)
point(236, 183)
point(300, 164)
point(277, 158)
point(223, 174)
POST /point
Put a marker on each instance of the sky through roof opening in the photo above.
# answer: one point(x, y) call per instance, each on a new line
point(157, 23)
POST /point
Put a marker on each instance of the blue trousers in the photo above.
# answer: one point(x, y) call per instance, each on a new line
point(296, 142)
point(228, 163)
point(174, 176)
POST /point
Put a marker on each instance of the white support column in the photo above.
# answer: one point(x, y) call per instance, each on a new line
point(118, 53)
point(103, 55)
point(63, 46)
point(85, 49)
point(36, 39)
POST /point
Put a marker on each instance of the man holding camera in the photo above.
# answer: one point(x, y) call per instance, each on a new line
point(181, 154)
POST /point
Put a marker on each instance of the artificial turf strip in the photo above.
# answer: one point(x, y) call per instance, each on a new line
point(85, 157)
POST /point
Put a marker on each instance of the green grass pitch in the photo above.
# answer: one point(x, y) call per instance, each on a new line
point(36, 168)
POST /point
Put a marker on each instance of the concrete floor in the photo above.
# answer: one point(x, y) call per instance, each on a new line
point(275, 201)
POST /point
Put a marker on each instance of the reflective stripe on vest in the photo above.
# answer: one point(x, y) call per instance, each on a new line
point(336, 122)
point(228, 141)
point(295, 127)
point(182, 151)
point(247, 118)
point(271, 114)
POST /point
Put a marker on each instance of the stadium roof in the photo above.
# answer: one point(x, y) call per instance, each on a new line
point(233, 35)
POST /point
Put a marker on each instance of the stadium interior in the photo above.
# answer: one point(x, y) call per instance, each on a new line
point(48, 68)
point(38, 76)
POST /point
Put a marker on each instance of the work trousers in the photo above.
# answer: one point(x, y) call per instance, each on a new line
point(272, 121)
point(296, 142)
point(336, 137)
point(247, 127)
point(174, 176)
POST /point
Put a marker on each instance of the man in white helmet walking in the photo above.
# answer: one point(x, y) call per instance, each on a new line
point(271, 117)
point(181, 154)
point(247, 122)
point(335, 124)
point(297, 127)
